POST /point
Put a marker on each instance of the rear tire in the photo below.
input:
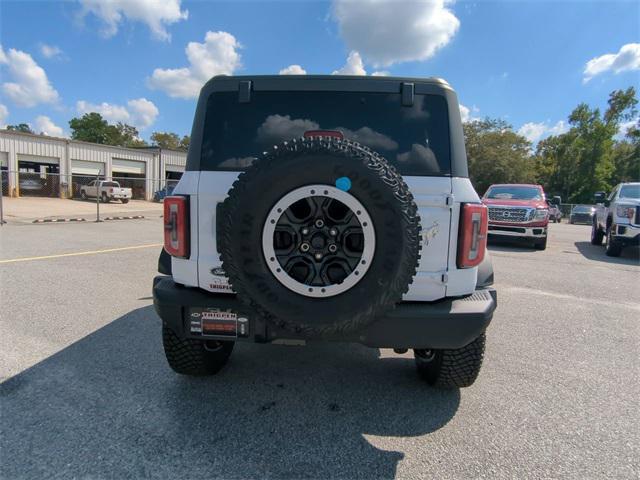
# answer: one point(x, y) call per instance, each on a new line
point(451, 368)
point(540, 244)
point(596, 234)
point(613, 249)
point(83, 195)
point(104, 198)
point(188, 356)
point(125, 200)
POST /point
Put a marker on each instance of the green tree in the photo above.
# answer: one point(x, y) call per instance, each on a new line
point(589, 158)
point(21, 127)
point(124, 135)
point(91, 127)
point(626, 156)
point(497, 154)
point(170, 140)
point(165, 140)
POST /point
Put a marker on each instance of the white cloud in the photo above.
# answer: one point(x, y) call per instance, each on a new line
point(46, 126)
point(623, 128)
point(30, 85)
point(143, 112)
point(111, 113)
point(140, 113)
point(218, 55)
point(369, 137)
point(380, 73)
point(50, 51)
point(157, 15)
point(277, 128)
point(293, 70)
point(354, 66)
point(627, 59)
point(537, 131)
point(467, 114)
point(4, 113)
point(387, 32)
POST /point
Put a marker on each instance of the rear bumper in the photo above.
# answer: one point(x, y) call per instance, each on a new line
point(523, 231)
point(448, 323)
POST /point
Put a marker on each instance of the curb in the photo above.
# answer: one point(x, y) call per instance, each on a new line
point(59, 220)
point(131, 217)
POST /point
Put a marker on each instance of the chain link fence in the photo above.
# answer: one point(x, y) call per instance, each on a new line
point(24, 194)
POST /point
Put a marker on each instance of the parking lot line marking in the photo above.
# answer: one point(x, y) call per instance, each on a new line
point(77, 254)
point(560, 296)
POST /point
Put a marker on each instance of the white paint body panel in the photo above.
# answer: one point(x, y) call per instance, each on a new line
point(438, 200)
point(430, 195)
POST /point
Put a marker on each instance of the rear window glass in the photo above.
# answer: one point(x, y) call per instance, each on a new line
point(110, 184)
point(415, 139)
point(513, 193)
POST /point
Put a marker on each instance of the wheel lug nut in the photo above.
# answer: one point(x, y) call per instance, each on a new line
point(318, 256)
point(305, 231)
point(319, 223)
point(333, 232)
point(304, 247)
point(333, 248)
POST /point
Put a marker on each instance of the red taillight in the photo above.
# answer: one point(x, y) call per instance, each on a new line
point(176, 226)
point(472, 238)
point(324, 133)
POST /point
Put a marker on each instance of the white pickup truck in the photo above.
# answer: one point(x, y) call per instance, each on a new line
point(617, 218)
point(106, 190)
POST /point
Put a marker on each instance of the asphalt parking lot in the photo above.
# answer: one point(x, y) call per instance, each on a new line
point(86, 391)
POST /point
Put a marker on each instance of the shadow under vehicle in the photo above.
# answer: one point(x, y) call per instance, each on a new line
point(86, 412)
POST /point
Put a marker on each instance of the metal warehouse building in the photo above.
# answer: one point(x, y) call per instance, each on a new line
point(50, 166)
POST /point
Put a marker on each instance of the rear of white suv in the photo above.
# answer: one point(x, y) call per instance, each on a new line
point(357, 223)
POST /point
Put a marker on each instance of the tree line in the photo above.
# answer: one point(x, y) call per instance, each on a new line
point(592, 155)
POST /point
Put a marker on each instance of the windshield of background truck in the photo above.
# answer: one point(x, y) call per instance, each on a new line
point(630, 191)
point(513, 193)
point(582, 209)
point(415, 139)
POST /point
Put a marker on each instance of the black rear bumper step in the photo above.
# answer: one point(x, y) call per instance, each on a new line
point(448, 323)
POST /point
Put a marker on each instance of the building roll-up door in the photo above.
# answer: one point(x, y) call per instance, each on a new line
point(82, 167)
point(134, 167)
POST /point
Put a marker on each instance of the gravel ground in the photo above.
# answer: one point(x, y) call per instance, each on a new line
point(87, 392)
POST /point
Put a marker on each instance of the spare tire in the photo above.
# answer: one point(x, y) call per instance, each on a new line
point(319, 236)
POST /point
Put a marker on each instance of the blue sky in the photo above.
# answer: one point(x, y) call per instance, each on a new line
point(526, 62)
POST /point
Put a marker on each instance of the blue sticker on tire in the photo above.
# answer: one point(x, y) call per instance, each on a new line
point(343, 183)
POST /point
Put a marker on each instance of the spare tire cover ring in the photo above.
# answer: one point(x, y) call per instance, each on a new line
point(280, 209)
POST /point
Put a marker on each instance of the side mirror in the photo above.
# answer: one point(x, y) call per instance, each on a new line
point(606, 202)
point(599, 197)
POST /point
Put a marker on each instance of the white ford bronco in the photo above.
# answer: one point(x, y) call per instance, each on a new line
point(326, 208)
